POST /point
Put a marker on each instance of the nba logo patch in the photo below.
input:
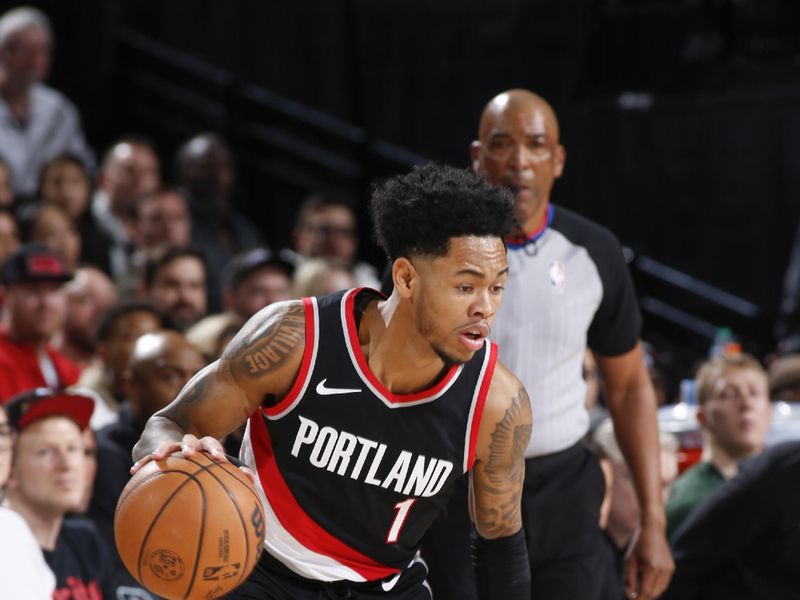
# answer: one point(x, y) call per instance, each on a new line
point(557, 277)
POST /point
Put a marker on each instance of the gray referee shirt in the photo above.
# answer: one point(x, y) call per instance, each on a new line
point(568, 288)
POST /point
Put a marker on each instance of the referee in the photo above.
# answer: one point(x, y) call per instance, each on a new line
point(568, 287)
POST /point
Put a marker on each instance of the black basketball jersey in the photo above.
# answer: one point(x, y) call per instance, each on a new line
point(351, 474)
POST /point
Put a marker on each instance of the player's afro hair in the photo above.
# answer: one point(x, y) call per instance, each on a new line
point(418, 213)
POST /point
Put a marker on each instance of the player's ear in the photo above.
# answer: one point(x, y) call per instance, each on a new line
point(404, 276)
point(561, 158)
point(474, 155)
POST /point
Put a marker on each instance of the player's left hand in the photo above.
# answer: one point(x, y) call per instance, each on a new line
point(649, 564)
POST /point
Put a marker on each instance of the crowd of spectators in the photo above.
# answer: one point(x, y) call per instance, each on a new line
point(117, 287)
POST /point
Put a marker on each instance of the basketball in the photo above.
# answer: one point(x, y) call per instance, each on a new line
point(189, 527)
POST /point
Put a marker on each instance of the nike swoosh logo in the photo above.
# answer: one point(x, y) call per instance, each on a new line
point(322, 390)
point(388, 585)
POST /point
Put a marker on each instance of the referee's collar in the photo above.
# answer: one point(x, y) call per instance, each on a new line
point(519, 242)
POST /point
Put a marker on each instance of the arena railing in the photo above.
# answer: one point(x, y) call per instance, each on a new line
point(289, 149)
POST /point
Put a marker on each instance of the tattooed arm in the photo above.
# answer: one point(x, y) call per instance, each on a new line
point(501, 558)
point(261, 361)
point(500, 457)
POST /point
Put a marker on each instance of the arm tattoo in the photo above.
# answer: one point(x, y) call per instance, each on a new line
point(510, 437)
point(504, 470)
point(195, 392)
point(274, 346)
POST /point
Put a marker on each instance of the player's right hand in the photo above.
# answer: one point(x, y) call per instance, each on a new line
point(188, 446)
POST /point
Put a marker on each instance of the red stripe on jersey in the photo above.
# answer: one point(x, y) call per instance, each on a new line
point(481, 402)
point(352, 332)
point(296, 521)
point(305, 365)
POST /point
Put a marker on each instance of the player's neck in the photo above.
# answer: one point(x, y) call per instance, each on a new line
point(402, 360)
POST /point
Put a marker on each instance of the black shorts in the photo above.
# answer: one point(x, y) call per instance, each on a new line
point(271, 580)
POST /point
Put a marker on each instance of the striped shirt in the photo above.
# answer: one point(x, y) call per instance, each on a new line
point(567, 288)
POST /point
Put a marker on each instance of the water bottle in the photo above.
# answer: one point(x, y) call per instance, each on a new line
point(724, 343)
point(681, 420)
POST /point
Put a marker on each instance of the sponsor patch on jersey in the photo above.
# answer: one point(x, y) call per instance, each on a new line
point(558, 280)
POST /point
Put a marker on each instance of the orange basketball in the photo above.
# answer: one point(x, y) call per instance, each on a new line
point(189, 527)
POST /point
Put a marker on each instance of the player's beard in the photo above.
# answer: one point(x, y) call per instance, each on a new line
point(427, 328)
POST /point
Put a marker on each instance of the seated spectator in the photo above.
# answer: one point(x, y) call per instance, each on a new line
point(117, 331)
point(206, 173)
point(162, 222)
point(36, 122)
point(65, 181)
point(175, 285)
point(47, 482)
point(254, 279)
point(161, 364)
point(742, 543)
point(89, 295)
point(49, 225)
point(34, 308)
point(784, 378)
point(23, 571)
point(9, 234)
point(6, 187)
point(130, 169)
point(734, 413)
point(320, 276)
point(623, 515)
point(326, 228)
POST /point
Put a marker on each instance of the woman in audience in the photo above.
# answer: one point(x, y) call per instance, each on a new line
point(64, 181)
point(48, 224)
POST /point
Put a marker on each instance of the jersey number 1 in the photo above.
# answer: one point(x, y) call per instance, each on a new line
point(402, 509)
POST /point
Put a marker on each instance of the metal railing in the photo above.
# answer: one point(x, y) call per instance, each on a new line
point(289, 148)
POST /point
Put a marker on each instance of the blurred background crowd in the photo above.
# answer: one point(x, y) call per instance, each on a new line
point(159, 188)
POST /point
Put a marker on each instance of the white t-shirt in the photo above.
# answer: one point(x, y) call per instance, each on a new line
point(23, 572)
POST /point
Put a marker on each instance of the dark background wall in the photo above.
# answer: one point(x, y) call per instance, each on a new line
point(681, 118)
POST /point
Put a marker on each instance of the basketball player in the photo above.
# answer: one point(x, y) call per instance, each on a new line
point(363, 411)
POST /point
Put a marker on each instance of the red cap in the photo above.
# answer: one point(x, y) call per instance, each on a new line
point(27, 407)
point(33, 262)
